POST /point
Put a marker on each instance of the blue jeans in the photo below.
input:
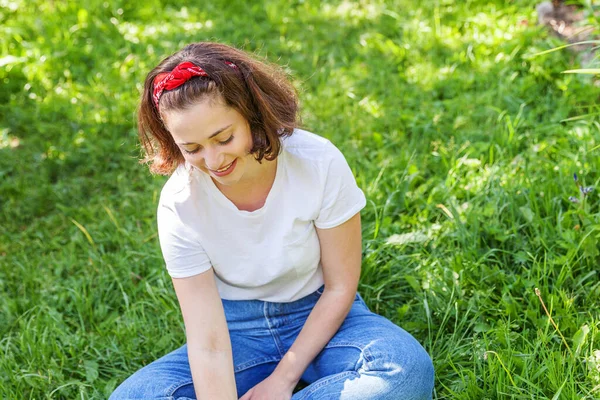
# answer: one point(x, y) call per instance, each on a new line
point(368, 358)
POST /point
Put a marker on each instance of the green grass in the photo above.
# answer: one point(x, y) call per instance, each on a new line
point(464, 143)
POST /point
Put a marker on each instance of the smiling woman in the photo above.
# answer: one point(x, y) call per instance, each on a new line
point(259, 227)
point(258, 92)
point(216, 139)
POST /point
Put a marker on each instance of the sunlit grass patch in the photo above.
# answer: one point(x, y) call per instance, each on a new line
point(465, 144)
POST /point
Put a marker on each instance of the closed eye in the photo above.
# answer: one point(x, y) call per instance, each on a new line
point(197, 149)
point(220, 142)
point(226, 141)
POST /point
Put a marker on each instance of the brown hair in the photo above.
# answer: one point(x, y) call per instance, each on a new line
point(260, 92)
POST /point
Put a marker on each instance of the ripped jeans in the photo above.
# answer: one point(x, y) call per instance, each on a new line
point(368, 358)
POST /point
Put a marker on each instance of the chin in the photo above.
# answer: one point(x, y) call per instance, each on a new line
point(226, 182)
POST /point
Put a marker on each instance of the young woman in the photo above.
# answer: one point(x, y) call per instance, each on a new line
point(259, 226)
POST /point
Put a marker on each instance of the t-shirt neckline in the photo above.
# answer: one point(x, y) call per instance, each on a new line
point(221, 198)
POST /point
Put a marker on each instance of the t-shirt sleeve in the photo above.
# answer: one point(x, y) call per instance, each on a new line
point(182, 251)
point(342, 198)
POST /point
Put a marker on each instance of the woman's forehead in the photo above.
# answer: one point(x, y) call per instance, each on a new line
point(201, 121)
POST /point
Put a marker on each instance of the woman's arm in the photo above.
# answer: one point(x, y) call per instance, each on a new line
point(209, 346)
point(341, 256)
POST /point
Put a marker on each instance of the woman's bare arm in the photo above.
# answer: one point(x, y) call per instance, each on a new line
point(209, 346)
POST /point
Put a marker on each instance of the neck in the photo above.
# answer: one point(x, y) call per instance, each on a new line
point(252, 194)
point(259, 181)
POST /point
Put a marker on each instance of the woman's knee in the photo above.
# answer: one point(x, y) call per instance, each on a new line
point(419, 374)
point(406, 366)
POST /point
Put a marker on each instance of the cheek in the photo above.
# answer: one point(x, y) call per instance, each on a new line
point(248, 144)
point(248, 148)
point(241, 147)
point(193, 159)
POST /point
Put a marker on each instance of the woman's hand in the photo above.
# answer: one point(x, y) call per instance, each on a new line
point(271, 388)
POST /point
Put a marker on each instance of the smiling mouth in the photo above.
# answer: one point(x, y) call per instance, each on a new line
point(225, 168)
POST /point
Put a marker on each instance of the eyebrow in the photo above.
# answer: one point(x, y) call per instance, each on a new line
point(210, 137)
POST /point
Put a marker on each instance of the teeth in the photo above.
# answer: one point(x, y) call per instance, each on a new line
point(225, 168)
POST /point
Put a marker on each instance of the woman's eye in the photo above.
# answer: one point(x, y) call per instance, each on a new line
point(228, 140)
point(192, 151)
point(197, 149)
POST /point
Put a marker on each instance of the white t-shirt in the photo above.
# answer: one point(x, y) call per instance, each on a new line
point(273, 253)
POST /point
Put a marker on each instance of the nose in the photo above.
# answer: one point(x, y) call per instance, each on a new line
point(213, 158)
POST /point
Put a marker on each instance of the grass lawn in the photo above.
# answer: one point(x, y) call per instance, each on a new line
point(463, 140)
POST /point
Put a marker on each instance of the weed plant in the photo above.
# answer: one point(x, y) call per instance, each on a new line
point(463, 140)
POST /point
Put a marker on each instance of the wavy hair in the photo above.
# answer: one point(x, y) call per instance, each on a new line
point(259, 91)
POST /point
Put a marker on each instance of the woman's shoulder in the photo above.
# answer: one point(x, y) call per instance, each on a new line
point(178, 186)
point(307, 145)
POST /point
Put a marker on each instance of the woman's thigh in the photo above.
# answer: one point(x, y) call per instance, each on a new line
point(369, 357)
point(255, 349)
point(170, 377)
point(164, 379)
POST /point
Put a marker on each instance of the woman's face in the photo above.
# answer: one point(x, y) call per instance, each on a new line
point(215, 139)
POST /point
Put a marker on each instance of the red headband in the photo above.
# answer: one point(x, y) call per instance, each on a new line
point(180, 75)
